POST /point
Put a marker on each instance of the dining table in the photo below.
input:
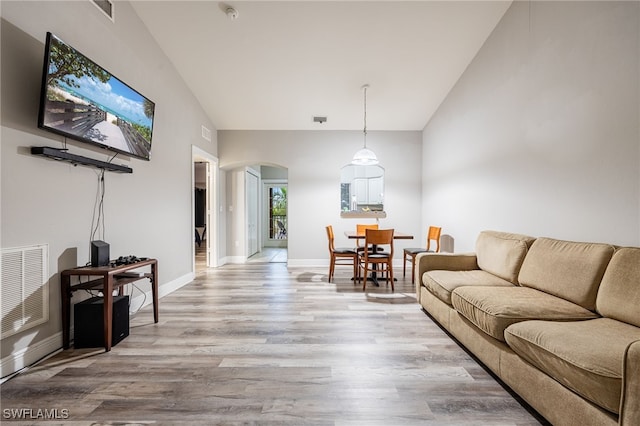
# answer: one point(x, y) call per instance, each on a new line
point(354, 235)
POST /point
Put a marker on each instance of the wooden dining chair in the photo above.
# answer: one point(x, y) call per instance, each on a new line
point(360, 230)
point(410, 253)
point(377, 253)
point(340, 256)
point(362, 227)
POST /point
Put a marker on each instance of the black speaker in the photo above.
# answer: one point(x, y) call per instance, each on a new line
point(99, 253)
point(88, 320)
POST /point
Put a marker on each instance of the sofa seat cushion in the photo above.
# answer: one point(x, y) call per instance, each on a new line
point(442, 283)
point(493, 309)
point(585, 356)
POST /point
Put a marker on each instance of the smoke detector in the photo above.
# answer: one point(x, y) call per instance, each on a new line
point(232, 13)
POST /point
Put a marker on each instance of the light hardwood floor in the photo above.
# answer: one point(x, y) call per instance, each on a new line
point(265, 344)
point(269, 255)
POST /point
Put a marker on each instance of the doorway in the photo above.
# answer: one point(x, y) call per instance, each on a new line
point(266, 203)
point(275, 220)
point(204, 179)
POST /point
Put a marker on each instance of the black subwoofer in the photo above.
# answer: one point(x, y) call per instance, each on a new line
point(88, 320)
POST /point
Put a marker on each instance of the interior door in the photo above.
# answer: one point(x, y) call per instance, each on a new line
point(252, 213)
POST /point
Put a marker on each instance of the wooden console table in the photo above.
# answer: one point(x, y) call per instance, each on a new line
point(109, 279)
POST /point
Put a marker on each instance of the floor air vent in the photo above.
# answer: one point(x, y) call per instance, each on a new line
point(25, 288)
point(106, 6)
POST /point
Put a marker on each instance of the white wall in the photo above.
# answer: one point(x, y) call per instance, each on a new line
point(541, 134)
point(149, 212)
point(313, 160)
point(278, 173)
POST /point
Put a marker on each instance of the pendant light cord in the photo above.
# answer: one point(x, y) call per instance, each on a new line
point(364, 156)
point(365, 116)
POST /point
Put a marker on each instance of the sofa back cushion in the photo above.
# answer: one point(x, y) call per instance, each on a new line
point(619, 293)
point(502, 253)
point(566, 269)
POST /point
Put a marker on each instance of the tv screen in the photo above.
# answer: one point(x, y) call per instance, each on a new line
point(83, 101)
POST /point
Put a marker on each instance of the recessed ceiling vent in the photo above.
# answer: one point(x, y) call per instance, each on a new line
point(106, 6)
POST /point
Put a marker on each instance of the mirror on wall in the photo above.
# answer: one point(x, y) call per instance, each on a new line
point(362, 190)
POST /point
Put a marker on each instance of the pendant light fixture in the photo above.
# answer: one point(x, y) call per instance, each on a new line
point(364, 156)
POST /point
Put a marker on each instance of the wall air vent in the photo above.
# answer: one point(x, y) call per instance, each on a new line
point(106, 6)
point(25, 288)
point(206, 134)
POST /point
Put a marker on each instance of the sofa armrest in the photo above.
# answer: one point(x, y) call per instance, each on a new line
point(443, 261)
point(630, 401)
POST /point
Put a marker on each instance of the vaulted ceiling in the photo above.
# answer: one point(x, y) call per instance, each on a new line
point(280, 63)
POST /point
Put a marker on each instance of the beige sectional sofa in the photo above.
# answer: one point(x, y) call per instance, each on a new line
point(557, 321)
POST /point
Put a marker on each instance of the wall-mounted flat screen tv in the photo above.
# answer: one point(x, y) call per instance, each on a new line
point(83, 101)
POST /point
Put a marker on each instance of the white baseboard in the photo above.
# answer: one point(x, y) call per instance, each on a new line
point(299, 263)
point(30, 355)
point(39, 350)
point(141, 300)
point(324, 263)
